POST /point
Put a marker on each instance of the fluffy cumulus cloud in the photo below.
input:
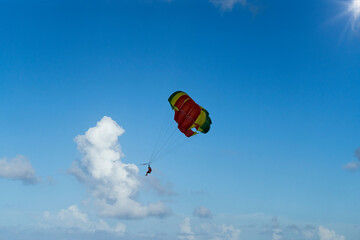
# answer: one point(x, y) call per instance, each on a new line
point(18, 168)
point(327, 234)
point(354, 165)
point(202, 212)
point(113, 184)
point(73, 219)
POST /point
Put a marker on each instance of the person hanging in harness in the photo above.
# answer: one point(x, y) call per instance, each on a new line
point(148, 171)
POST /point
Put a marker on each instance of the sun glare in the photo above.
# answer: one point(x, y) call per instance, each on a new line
point(354, 7)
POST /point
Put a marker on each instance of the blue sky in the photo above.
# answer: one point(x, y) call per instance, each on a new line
point(281, 83)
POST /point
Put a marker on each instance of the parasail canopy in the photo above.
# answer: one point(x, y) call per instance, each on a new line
point(191, 117)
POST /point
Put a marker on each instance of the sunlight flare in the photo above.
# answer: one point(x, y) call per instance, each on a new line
point(354, 8)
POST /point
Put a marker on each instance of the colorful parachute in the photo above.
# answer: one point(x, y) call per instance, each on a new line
point(191, 117)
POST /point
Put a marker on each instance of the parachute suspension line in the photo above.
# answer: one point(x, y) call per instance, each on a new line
point(170, 143)
point(164, 137)
point(168, 137)
point(179, 142)
point(164, 145)
point(161, 134)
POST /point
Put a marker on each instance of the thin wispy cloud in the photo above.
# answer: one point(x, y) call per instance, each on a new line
point(202, 212)
point(73, 219)
point(158, 186)
point(217, 232)
point(277, 231)
point(354, 165)
point(229, 232)
point(229, 5)
point(207, 230)
point(113, 184)
point(18, 168)
point(308, 231)
point(273, 230)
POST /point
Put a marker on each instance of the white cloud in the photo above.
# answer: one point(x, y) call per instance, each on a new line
point(354, 165)
point(218, 232)
point(72, 219)
point(202, 212)
point(276, 234)
point(357, 153)
point(326, 234)
point(113, 184)
point(309, 232)
point(228, 4)
point(18, 168)
point(273, 230)
point(207, 231)
point(185, 230)
point(276, 229)
point(294, 232)
point(229, 232)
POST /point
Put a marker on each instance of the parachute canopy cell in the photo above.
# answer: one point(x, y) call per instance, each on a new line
point(191, 117)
